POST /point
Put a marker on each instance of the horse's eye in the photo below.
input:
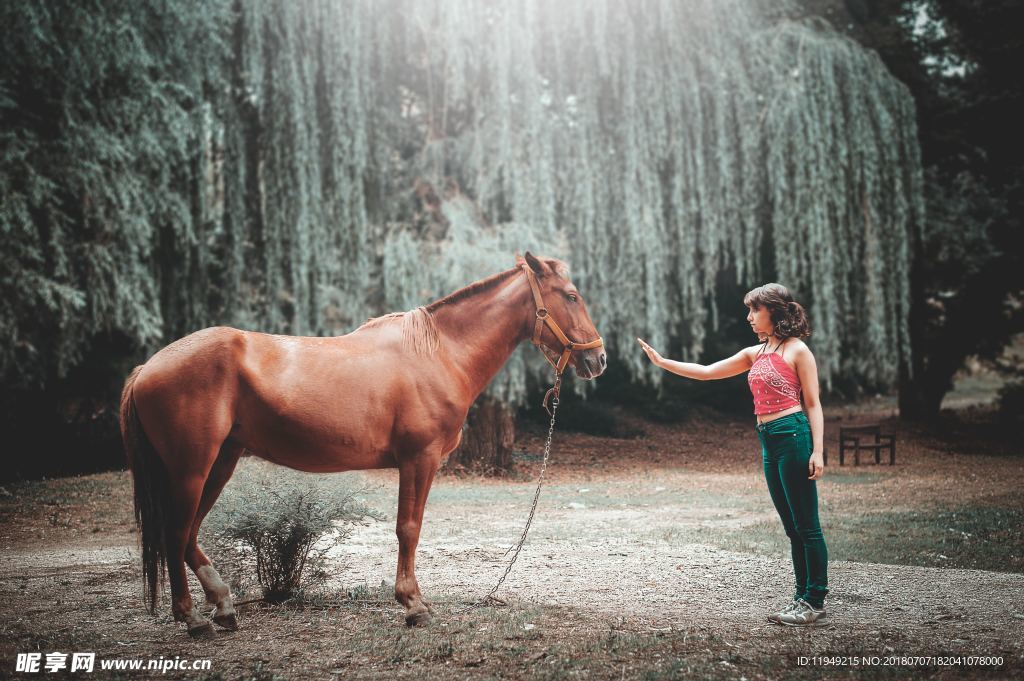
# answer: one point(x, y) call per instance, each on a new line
point(572, 297)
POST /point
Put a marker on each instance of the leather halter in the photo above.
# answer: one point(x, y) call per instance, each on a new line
point(544, 318)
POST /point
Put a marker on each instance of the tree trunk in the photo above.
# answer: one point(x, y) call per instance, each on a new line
point(913, 393)
point(487, 441)
point(976, 321)
point(920, 400)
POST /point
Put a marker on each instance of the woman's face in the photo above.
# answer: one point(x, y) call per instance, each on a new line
point(760, 321)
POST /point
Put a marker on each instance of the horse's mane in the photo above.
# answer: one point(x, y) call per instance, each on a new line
point(473, 289)
point(419, 328)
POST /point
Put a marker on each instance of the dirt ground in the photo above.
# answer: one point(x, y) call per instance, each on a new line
point(656, 556)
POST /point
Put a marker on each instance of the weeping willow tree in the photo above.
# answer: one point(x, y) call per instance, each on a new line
point(175, 165)
point(667, 142)
point(670, 142)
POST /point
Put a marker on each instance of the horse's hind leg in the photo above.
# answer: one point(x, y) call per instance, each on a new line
point(186, 491)
point(217, 591)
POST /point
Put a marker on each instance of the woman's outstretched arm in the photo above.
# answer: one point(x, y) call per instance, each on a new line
point(725, 368)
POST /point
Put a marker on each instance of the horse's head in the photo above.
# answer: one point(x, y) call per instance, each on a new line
point(565, 307)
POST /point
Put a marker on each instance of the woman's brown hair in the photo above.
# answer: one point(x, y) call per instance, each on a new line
point(788, 316)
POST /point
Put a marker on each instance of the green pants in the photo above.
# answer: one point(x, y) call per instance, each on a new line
point(786, 449)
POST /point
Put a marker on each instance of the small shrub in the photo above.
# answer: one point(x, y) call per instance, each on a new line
point(279, 525)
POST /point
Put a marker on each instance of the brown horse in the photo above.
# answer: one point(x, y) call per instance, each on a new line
point(394, 393)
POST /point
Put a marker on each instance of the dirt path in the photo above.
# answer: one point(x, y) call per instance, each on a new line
point(626, 561)
point(605, 562)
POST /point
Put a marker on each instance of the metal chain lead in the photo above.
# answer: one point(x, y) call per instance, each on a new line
point(533, 507)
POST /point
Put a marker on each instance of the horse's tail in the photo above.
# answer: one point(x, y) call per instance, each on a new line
point(151, 494)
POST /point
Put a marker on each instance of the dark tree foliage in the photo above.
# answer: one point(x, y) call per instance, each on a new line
point(961, 61)
point(100, 104)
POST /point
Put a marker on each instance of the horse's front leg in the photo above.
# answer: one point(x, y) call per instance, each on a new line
point(415, 477)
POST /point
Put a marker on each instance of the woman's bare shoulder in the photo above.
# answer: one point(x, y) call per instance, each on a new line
point(751, 351)
point(798, 348)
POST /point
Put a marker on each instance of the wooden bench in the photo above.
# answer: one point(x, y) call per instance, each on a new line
point(866, 437)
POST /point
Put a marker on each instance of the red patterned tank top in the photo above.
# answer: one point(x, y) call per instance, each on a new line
point(773, 383)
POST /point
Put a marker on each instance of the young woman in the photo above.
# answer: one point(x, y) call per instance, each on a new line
point(781, 369)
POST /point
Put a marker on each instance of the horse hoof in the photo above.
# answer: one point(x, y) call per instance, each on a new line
point(203, 631)
point(418, 619)
point(229, 622)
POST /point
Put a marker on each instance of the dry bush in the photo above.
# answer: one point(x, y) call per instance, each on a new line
point(277, 525)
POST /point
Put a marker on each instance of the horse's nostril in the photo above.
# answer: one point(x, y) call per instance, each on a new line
point(603, 359)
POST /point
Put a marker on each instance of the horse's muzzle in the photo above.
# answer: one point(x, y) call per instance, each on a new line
point(591, 364)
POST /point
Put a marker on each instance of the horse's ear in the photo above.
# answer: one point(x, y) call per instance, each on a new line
point(559, 268)
point(536, 265)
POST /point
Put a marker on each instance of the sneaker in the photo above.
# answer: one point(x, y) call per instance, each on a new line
point(804, 615)
point(790, 607)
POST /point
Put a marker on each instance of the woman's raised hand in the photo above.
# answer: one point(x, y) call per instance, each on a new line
point(652, 354)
